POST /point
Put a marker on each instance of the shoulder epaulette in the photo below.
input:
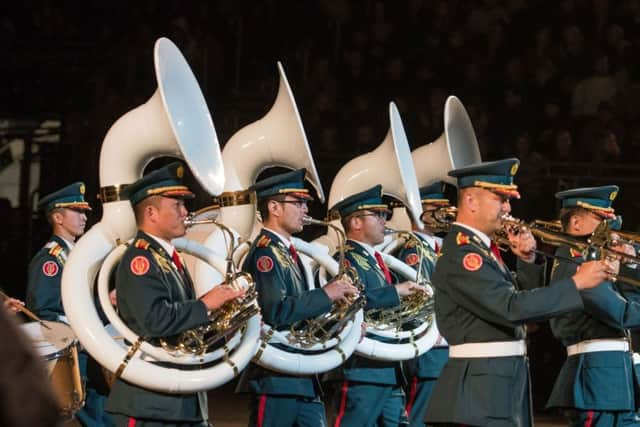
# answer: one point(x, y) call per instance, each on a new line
point(263, 241)
point(141, 244)
point(348, 247)
point(574, 253)
point(462, 238)
point(55, 249)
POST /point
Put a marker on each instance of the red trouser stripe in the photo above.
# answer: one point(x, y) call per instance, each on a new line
point(261, 407)
point(343, 403)
point(132, 422)
point(412, 394)
point(589, 421)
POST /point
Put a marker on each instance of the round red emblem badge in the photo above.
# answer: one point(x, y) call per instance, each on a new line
point(264, 264)
point(50, 268)
point(139, 265)
point(411, 259)
point(472, 262)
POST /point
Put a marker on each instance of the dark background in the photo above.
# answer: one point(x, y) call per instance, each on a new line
point(552, 82)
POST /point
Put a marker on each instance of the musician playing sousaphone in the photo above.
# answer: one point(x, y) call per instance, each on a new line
point(421, 253)
point(481, 307)
point(371, 391)
point(285, 298)
point(156, 298)
point(596, 385)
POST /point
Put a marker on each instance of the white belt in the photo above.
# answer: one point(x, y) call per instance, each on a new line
point(488, 349)
point(590, 346)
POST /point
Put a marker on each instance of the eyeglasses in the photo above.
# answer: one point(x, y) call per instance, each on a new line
point(297, 203)
point(378, 214)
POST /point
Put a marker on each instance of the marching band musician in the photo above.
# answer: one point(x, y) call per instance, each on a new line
point(66, 211)
point(156, 298)
point(481, 309)
point(284, 297)
point(371, 391)
point(423, 371)
point(596, 384)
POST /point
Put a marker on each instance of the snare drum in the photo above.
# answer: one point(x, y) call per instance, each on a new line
point(59, 350)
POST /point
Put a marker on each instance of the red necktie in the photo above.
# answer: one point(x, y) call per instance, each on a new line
point(496, 251)
point(176, 260)
point(294, 253)
point(437, 249)
point(383, 267)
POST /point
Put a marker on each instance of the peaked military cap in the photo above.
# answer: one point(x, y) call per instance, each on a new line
point(596, 199)
point(370, 199)
point(291, 183)
point(166, 181)
point(434, 193)
point(71, 196)
point(494, 176)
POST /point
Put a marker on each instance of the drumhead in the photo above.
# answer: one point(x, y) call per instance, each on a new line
point(50, 341)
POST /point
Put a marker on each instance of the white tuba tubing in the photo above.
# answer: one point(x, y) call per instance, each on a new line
point(186, 110)
point(305, 364)
point(158, 354)
point(277, 139)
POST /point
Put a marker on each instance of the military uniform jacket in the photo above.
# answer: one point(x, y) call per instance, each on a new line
point(478, 300)
point(284, 298)
point(379, 294)
point(429, 364)
point(155, 300)
point(45, 274)
point(598, 380)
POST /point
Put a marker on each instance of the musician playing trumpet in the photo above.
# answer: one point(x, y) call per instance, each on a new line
point(596, 385)
point(285, 297)
point(481, 308)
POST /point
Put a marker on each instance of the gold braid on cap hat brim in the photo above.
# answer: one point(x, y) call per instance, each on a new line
point(605, 212)
point(172, 188)
point(510, 190)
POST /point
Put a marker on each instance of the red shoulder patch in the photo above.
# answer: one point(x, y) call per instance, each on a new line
point(264, 264)
point(472, 262)
point(50, 268)
point(411, 259)
point(347, 263)
point(139, 265)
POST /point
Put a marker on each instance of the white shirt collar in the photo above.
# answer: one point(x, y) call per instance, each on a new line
point(368, 247)
point(165, 245)
point(485, 239)
point(286, 241)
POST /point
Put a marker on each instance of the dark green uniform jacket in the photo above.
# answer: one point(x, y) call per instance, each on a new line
point(284, 298)
point(479, 300)
point(600, 380)
point(155, 300)
point(45, 274)
point(379, 294)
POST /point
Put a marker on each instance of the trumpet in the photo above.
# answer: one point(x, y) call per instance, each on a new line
point(440, 220)
point(233, 315)
point(320, 329)
point(598, 245)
